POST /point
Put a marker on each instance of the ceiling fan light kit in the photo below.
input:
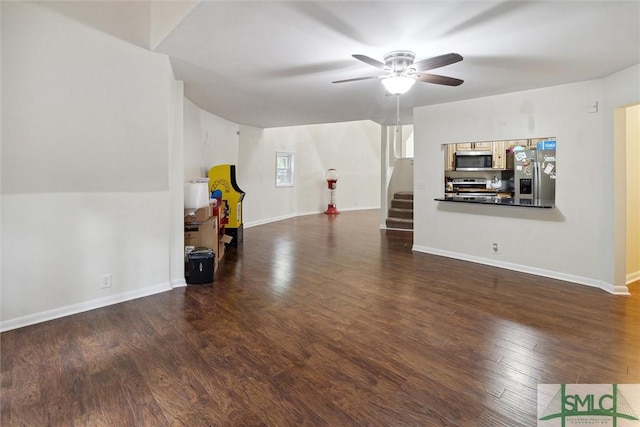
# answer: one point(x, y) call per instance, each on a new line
point(397, 85)
point(403, 72)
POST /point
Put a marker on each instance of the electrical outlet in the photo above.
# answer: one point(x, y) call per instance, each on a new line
point(105, 281)
point(494, 248)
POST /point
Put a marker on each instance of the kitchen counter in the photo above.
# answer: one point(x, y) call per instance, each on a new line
point(500, 201)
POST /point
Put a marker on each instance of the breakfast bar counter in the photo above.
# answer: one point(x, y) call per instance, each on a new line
point(500, 201)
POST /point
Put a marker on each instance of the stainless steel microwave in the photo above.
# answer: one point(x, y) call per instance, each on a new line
point(474, 160)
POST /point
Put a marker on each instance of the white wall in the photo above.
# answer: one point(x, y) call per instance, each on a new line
point(353, 148)
point(1, 151)
point(72, 87)
point(621, 89)
point(86, 146)
point(124, 20)
point(176, 188)
point(633, 193)
point(571, 241)
point(208, 141)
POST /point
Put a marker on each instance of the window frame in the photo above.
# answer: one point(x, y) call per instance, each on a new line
point(290, 155)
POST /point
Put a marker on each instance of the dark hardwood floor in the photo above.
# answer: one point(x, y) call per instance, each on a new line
point(323, 320)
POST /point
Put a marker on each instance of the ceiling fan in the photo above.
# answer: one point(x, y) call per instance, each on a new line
point(402, 72)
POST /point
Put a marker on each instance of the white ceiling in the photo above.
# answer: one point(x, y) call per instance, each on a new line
point(271, 63)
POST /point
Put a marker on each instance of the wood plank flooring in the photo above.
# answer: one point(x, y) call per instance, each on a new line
point(323, 321)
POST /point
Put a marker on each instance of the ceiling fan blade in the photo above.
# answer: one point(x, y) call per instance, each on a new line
point(370, 61)
point(439, 80)
point(356, 79)
point(437, 62)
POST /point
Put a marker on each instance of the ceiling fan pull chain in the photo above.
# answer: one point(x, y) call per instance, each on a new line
point(397, 113)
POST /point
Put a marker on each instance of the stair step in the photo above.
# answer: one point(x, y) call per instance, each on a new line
point(402, 203)
point(408, 195)
point(400, 213)
point(400, 223)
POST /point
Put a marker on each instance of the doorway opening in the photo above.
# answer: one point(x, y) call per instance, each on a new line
point(627, 194)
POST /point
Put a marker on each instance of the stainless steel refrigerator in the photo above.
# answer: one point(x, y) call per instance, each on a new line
point(535, 176)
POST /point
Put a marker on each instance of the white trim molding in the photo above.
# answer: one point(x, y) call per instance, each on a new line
point(178, 283)
point(608, 287)
point(69, 310)
point(295, 215)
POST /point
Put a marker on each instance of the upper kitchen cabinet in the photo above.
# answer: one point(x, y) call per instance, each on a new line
point(449, 157)
point(473, 146)
point(499, 151)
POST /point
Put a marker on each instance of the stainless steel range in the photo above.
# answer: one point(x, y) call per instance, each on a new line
point(469, 184)
point(471, 189)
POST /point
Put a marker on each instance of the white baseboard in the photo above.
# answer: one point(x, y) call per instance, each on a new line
point(178, 283)
point(609, 287)
point(369, 208)
point(633, 277)
point(268, 220)
point(57, 313)
point(283, 217)
point(384, 227)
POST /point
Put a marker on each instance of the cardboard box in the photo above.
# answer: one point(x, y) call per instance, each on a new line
point(191, 235)
point(203, 235)
point(198, 215)
point(224, 240)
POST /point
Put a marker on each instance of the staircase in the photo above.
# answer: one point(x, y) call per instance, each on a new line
point(401, 211)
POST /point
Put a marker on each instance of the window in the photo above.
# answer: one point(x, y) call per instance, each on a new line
point(284, 169)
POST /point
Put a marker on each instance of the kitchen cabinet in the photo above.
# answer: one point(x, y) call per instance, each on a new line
point(510, 144)
point(481, 146)
point(529, 144)
point(498, 151)
point(450, 157)
point(474, 146)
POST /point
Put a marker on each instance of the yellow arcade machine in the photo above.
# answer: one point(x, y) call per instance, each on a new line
point(223, 178)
